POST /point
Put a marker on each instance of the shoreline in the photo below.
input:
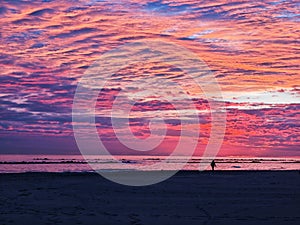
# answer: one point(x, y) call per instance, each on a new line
point(181, 172)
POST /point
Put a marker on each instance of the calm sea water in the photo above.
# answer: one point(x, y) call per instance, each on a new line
point(76, 163)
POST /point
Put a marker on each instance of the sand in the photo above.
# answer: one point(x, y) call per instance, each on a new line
point(231, 197)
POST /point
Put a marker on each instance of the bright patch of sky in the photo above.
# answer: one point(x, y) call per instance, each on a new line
point(202, 33)
point(266, 97)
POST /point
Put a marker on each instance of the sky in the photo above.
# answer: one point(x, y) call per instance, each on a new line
point(252, 48)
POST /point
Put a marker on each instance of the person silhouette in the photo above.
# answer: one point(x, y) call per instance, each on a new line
point(213, 164)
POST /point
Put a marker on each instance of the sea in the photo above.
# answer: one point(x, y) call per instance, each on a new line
point(92, 163)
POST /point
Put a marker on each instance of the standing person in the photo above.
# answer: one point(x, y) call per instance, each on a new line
point(213, 164)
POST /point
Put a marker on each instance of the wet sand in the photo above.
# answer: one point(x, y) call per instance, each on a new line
point(231, 197)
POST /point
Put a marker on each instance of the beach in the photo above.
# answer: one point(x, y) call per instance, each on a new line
point(189, 197)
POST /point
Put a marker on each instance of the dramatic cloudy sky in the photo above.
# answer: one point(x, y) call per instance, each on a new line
point(251, 47)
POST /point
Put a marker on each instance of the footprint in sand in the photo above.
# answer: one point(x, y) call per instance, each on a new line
point(134, 219)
